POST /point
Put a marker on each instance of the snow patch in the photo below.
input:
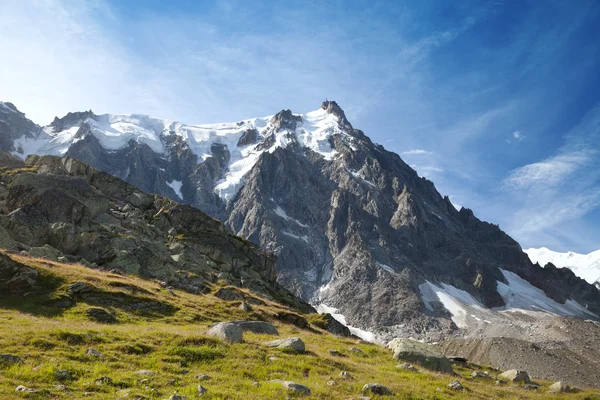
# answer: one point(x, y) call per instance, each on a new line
point(364, 335)
point(386, 267)
point(519, 294)
point(453, 299)
point(281, 212)
point(176, 186)
point(304, 237)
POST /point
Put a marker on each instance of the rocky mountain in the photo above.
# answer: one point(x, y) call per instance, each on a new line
point(355, 230)
point(64, 210)
point(585, 266)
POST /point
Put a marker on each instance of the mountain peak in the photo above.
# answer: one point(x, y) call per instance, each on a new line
point(70, 120)
point(333, 108)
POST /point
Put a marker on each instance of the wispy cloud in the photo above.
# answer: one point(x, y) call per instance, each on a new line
point(544, 176)
point(560, 189)
point(416, 152)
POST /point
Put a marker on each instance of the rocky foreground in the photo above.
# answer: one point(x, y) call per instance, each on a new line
point(75, 332)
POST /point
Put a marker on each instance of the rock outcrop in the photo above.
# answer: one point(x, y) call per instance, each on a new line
point(62, 209)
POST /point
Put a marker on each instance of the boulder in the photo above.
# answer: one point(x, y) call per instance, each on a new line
point(261, 327)
point(376, 388)
point(421, 353)
point(358, 351)
point(63, 375)
point(25, 389)
point(93, 353)
point(145, 372)
point(480, 374)
point(561, 387)
point(515, 376)
point(293, 387)
point(406, 366)
point(293, 344)
point(201, 391)
point(456, 385)
point(227, 331)
point(10, 359)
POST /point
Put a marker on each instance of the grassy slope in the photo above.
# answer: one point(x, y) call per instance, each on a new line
point(172, 342)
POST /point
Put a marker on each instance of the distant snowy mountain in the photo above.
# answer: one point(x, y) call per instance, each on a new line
point(585, 266)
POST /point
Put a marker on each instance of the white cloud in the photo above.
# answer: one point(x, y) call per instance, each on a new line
point(416, 152)
point(545, 175)
point(518, 135)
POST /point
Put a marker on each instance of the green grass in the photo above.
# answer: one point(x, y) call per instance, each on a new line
point(173, 345)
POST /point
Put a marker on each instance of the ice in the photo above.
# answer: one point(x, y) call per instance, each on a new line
point(176, 186)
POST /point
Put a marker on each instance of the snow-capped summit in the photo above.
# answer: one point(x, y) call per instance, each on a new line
point(312, 130)
point(585, 266)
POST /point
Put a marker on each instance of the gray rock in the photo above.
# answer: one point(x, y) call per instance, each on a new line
point(10, 359)
point(202, 377)
point(177, 396)
point(335, 353)
point(261, 327)
point(421, 353)
point(293, 344)
point(226, 331)
point(103, 381)
point(293, 387)
point(561, 387)
point(358, 351)
point(480, 374)
point(455, 385)
point(406, 366)
point(332, 383)
point(63, 375)
point(201, 391)
point(93, 353)
point(378, 389)
point(515, 376)
point(25, 389)
point(145, 372)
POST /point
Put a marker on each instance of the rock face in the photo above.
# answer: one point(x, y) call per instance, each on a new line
point(60, 208)
point(352, 225)
point(423, 354)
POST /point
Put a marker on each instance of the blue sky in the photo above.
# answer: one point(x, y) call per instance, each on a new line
point(496, 102)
